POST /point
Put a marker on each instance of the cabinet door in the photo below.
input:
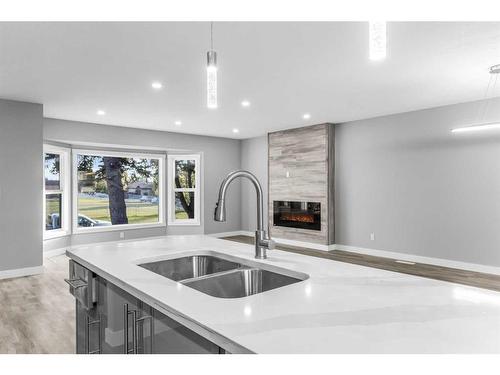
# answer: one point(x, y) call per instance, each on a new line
point(126, 322)
point(128, 325)
point(88, 334)
point(171, 337)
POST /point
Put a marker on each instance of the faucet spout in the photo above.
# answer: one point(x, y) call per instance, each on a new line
point(262, 239)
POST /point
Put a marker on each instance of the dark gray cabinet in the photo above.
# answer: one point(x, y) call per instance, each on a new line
point(115, 322)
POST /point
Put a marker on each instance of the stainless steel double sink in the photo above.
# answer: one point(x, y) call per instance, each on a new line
point(221, 276)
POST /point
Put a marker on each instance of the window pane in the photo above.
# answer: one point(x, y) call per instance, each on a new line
point(53, 204)
point(117, 190)
point(184, 205)
point(185, 173)
point(52, 172)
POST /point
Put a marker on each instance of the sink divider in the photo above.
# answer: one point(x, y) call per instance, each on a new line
point(211, 275)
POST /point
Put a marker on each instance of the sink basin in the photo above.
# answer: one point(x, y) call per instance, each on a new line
point(241, 283)
point(189, 267)
point(223, 276)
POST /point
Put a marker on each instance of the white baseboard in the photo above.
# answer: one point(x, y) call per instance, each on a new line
point(283, 241)
point(20, 272)
point(307, 245)
point(380, 253)
point(53, 253)
point(229, 234)
point(421, 259)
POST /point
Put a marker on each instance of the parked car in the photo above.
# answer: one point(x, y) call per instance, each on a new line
point(85, 221)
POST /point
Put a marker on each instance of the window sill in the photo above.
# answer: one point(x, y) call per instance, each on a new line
point(114, 228)
point(55, 234)
point(186, 223)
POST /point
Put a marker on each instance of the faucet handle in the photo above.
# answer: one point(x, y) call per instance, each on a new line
point(271, 244)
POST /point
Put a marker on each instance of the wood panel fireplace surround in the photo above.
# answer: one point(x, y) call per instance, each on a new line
point(301, 186)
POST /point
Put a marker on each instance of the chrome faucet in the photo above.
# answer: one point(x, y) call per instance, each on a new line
point(262, 239)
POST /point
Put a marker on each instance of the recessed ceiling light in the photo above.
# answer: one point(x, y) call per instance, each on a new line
point(245, 103)
point(178, 123)
point(100, 112)
point(157, 85)
point(236, 130)
point(306, 116)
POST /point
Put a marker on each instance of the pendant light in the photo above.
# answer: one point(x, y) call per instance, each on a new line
point(483, 107)
point(211, 73)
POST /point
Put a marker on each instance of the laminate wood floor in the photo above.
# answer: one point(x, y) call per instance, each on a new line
point(37, 313)
point(477, 279)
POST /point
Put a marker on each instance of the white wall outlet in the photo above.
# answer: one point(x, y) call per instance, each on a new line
point(372, 236)
point(122, 235)
point(287, 174)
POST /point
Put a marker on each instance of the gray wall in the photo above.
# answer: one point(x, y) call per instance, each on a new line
point(253, 159)
point(220, 156)
point(20, 185)
point(420, 188)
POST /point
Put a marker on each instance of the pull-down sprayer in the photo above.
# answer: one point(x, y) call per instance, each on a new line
point(262, 240)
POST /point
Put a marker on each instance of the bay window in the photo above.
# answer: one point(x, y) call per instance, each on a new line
point(56, 198)
point(117, 190)
point(184, 189)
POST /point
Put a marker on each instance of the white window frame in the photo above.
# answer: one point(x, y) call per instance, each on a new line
point(65, 181)
point(124, 154)
point(172, 158)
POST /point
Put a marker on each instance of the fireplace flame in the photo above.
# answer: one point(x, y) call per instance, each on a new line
point(302, 218)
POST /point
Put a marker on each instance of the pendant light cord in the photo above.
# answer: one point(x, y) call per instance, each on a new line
point(211, 36)
point(488, 101)
point(482, 105)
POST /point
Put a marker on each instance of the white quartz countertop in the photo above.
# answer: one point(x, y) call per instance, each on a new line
point(340, 308)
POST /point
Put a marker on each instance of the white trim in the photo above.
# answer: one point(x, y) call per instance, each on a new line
point(398, 257)
point(65, 187)
point(171, 159)
point(123, 227)
point(55, 252)
point(308, 245)
point(20, 272)
point(234, 233)
point(421, 259)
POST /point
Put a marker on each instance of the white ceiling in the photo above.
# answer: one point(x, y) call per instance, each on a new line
point(283, 69)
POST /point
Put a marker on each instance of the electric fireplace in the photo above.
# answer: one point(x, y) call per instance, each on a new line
point(294, 214)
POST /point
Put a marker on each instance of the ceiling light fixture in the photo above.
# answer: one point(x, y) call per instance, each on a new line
point(245, 103)
point(306, 116)
point(476, 128)
point(178, 123)
point(377, 31)
point(236, 130)
point(483, 106)
point(100, 112)
point(157, 85)
point(211, 73)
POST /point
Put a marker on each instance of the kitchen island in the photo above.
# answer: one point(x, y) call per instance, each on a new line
point(335, 307)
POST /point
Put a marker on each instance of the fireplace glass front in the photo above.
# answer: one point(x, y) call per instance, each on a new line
point(295, 214)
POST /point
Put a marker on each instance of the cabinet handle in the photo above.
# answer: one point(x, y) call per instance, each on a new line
point(76, 283)
point(87, 336)
point(151, 330)
point(126, 313)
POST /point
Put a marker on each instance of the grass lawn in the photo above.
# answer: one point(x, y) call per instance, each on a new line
point(98, 209)
point(179, 214)
point(137, 212)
